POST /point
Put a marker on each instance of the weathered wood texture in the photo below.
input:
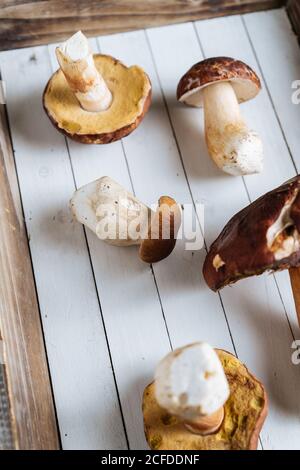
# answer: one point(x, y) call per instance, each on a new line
point(31, 406)
point(27, 23)
point(293, 8)
point(112, 318)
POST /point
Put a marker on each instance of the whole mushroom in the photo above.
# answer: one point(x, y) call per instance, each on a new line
point(264, 236)
point(119, 218)
point(219, 84)
point(95, 99)
point(203, 399)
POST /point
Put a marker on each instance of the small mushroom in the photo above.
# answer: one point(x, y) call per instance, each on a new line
point(120, 219)
point(264, 236)
point(219, 84)
point(95, 98)
point(203, 399)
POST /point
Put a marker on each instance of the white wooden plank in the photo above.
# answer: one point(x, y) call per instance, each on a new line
point(278, 164)
point(84, 389)
point(153, 157)
point(277, 49)
point(194, 327)
point(130, 303)
point(260, 113)
point(266, 313)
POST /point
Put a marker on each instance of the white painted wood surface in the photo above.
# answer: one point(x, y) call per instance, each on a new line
point(107, 317)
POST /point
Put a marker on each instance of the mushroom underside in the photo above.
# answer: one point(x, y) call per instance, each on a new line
point(245, 412)
point(243, 79)
point(243, 89)
point(131, 90)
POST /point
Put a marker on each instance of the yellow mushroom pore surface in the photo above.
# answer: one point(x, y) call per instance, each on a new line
point(129, 87)
point(245, 412)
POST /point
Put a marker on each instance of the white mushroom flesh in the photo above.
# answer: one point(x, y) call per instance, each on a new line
point(281, 242)
point(234, 148)
point(190, 382)
point(76, 61)
point(111, 212)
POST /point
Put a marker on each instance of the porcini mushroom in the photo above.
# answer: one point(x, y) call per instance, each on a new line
point(95, 98)
point(219, 84)
point(119, 218)
point(264, 236)
point(203, 399)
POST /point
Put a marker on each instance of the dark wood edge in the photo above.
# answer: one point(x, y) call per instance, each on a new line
point(293, 9)
point(26, 23)
point(30, 401)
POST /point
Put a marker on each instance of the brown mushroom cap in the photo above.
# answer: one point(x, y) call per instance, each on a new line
point(243, 79)
point(245, 413)
point(167, 217)
point(131, 90)
point(241, 250)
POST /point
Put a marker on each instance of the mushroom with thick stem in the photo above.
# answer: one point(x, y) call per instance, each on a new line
point(264, 236)
point(219, 84)
point(119, 218)
point(95, 98)
point(203, 399)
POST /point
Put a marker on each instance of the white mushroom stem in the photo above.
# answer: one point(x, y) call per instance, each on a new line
point(111, 212)
point(190, 383)
point(284, 245)
point(76, 61)
point(234, 148)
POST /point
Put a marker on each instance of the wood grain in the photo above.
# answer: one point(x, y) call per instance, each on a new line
point(253, 318)
point(79, 362)
point(27, 23)
point(32, 412)
point(130, 306)
point(293, 9)
point(262, 27)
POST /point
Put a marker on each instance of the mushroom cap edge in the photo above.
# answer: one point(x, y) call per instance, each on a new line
point(244, 80)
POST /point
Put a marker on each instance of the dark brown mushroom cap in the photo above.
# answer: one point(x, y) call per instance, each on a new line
point(243, 79)
point(242, 246)
point(165, 223)
point(245, 413)
point(131, 90)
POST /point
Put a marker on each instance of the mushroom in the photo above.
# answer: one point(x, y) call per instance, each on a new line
point(264, 236)
point(95, 99)
point(203, 399)
point(120, 219)
point(219, 84)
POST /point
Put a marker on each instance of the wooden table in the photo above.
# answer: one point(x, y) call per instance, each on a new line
point(107, 318)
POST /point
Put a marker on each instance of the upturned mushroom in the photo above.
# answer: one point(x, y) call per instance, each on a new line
point(264, 236)
point(219, 84)
point(203, 399)
point(95, 99)
point(119, 218)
